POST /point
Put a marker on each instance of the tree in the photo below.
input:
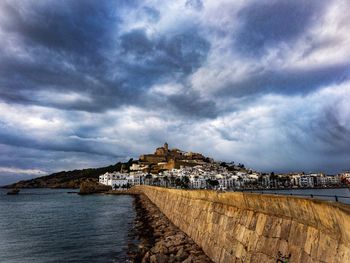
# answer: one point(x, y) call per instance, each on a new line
point(212, 183)
point(285, 180)
point(166, 180)
point(156, 181)
point(172, 181)
point(178, 182)
point(274, 179)
point(223, 164)
point(241, 165)
point(148, 178)
point(185, 182)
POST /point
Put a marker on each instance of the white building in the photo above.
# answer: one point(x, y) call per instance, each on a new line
point(198, 182)
point(139, 168)
point(321, 180)
point(227, 183)
point(137, 178)
point(333, 179)
point(114, 179)
point(307, 181)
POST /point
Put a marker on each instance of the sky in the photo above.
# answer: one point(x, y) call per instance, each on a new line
point(90, 83)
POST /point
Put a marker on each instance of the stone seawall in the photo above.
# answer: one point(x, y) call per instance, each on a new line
point(244, 227)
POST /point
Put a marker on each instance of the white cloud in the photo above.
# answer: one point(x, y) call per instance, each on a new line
point(167, 89)
point(14, 170)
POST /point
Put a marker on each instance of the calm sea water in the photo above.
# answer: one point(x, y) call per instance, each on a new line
point(44, 225)
point(343, 194)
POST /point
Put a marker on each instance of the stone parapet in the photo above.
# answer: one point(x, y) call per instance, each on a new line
point(245, 227)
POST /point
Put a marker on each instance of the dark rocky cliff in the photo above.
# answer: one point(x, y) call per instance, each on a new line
point(69, 179)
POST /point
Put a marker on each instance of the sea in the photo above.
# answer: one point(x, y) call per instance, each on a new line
point(47, 225)
point(341, 195)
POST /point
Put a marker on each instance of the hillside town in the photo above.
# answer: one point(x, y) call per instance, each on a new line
point(179, 169)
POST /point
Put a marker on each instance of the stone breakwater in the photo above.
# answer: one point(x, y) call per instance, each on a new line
point(244, 227)
point(160, 240)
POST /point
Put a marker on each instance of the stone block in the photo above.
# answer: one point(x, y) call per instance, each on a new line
point(241, 252)
point(226, 257)
point(243, 217)
point(283, 247)
point(240, 231)
point(268, 246)
point(297, 235)
point(233, 247)
point(247, 236)
point(276, 227)
point(268, 226)
point(260, 224)
point(343, 254)
point(261, 258)
point(327, 248)
point(246, 217)
point(295, 254)
point(252, 223)
point(252, 241)
point(285, 228)
point(311, 243)
point(306, 258)
point(215, 218)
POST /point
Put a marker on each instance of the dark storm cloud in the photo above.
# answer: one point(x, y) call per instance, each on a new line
point(152, 60)
point(267, 23)
point(76, 47)
point(287, 82)
point(329, 130)
point(136, 42)
point(69, 144)
point(62, 25)
point(66, 42)
point(192, 105)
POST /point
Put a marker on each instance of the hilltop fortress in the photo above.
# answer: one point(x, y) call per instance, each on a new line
point(166, 159)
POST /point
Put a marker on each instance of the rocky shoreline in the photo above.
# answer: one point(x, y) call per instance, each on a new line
point(159, 240)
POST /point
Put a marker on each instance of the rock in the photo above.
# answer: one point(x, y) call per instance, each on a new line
point(157, 234)
point(153, 259)
point(196, 252)
point(92, 188)
point(173, 249)
point(181, 254)
point(178, 242)
point(169, 243)
point(188, 260)
point(172, 258)
point(202, 258)
point(159, 258)
point(160, 248)
point(162, 241)
point(145, 258)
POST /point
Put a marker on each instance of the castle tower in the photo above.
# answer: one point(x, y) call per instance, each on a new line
point(166, 147)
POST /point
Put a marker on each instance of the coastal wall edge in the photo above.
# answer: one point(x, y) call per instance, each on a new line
point(246, 227)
